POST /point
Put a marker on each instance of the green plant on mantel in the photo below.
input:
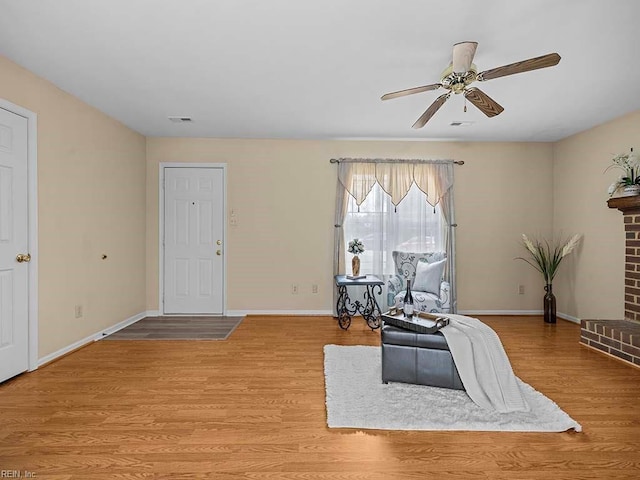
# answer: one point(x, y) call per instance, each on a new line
point(630, 165)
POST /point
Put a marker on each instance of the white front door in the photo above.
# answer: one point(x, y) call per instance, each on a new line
point(193, 237)
point(14, 275)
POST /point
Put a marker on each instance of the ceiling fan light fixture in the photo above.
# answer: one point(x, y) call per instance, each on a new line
point(456, 82)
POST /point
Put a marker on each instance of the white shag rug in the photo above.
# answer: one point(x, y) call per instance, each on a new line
point(357, 398)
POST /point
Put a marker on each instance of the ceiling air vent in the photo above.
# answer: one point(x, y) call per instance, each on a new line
point(181, 119)
point(460, 123)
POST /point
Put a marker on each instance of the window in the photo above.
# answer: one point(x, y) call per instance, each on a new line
point(412, 226)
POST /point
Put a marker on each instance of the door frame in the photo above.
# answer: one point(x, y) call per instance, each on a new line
point(161, 194)
point(32, 225)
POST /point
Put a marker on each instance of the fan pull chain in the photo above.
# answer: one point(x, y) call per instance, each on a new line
point(465, 105)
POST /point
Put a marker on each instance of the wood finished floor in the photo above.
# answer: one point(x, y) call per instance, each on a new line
point(253, 407)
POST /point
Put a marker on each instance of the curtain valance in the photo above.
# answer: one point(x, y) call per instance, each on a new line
point(434, 178)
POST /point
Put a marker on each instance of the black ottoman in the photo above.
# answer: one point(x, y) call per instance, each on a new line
point(418, 358)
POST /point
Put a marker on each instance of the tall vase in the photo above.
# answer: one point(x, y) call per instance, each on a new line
point(355, 265)
point(549, 304)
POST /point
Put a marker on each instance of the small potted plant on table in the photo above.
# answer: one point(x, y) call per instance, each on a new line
point(356, 247)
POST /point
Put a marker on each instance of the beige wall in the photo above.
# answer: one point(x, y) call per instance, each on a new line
point(283, 191)
point(591, 284)
point(98, 193)
point(91, 180)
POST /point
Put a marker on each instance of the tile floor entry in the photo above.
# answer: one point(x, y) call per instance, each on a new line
point(178, 328)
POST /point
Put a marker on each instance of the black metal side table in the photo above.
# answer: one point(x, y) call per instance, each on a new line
point(370, 310)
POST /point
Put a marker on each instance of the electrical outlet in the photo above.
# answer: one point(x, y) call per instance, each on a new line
point(78, 311)
point(294, 289)
point(520, 289)
point(314, 288)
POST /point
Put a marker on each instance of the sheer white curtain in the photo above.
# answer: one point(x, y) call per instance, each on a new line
point(412, 226)
point(394, 205)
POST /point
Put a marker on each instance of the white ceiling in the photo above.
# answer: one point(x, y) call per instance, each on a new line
point(316, 70)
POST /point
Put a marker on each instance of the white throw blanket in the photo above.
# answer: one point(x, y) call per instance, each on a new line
point(483, 365)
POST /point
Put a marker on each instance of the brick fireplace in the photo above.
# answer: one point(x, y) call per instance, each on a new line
point(621, 338)
point(630, 208)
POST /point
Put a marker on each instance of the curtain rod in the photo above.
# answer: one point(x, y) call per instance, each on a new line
point(392, 160)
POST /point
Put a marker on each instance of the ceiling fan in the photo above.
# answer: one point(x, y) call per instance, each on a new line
point(461, 73)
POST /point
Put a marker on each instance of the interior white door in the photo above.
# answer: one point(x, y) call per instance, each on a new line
point(193, 236)
point(14, 274)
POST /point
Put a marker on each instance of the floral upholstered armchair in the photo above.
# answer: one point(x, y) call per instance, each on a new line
point(430, 292)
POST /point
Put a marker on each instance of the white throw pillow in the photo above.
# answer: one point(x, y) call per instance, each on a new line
point(428, 277)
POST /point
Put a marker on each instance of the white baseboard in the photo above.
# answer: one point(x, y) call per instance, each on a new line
point(500, 312)
point(561, 315)
point(65, 350)
point(569, 318)
point(296, 313)
point(92, 338)
point(302, 313)
point(125, 323)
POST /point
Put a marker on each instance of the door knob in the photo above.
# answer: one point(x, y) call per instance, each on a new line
point(218, 252)
point(23, 257)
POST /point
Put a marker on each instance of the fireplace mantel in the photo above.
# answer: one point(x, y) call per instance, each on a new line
point(621, 338)
point(625, 204)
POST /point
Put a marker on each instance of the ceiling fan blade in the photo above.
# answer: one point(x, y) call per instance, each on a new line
point(463, 54)
point(411, 91)
point(484, 102)
point(544, 61)
point(433, 108)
